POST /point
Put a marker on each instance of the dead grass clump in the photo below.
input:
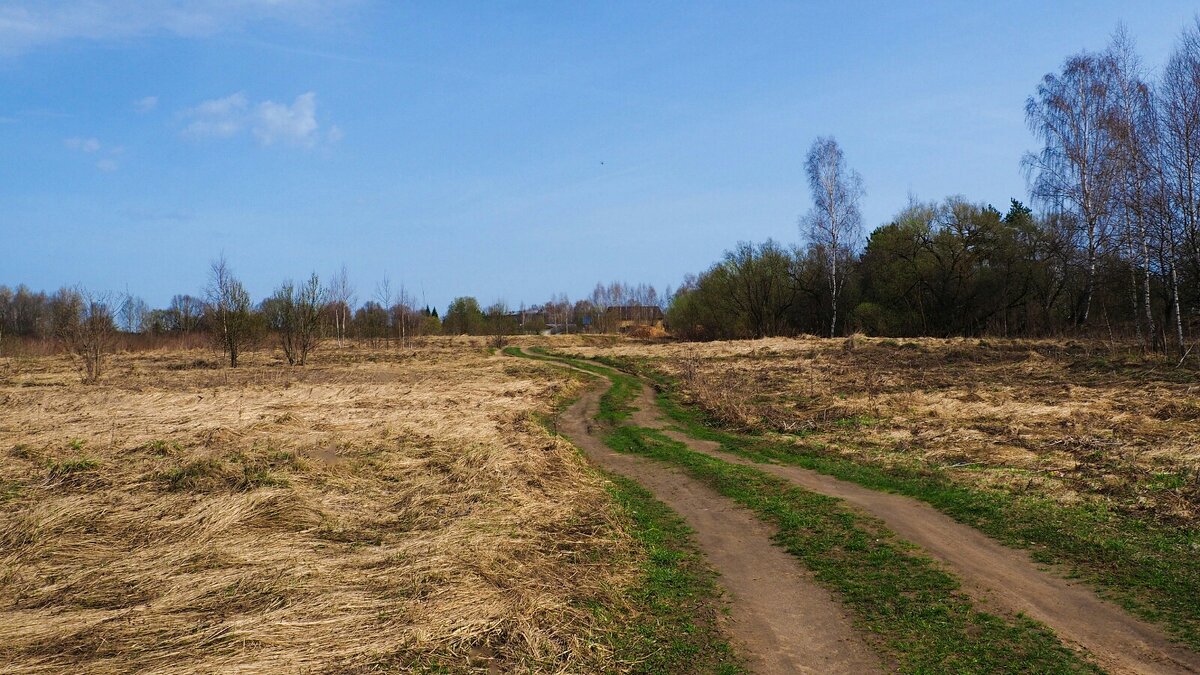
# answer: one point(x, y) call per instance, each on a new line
point(396, 513)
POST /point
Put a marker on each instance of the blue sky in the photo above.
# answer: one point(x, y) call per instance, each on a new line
point(503, 150)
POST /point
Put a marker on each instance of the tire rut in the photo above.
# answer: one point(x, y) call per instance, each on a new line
point(779, 618)
point(991, 573)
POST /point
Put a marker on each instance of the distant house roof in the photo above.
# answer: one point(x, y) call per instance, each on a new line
point(635, 312)
point(523, 318)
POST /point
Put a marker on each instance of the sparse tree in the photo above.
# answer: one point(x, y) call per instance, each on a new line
point(133, 313)
point(1133, 125)
point(383, 296)
point(1179, 105)
point(83, 323)
point(230, 317)
point(834, 224)
point(341, 300)
point(1078, 167)
point(184, 312)
point(294, 312)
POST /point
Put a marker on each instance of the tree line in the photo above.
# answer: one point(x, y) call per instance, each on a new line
point(1114, 247)
point(295, 318)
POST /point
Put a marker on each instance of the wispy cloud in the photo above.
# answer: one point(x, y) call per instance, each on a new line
point(92, 146)
point(145, 104)
point(82, 144)
point(28, 24)
point(269, 122)
point(219, 117)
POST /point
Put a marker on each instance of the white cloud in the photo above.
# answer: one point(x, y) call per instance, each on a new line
point(28, 24)
point(90, 146)
point(335, 134)
point(269, 122)
point(296, 123)
point(219, 117)
point(145, 104)
point(82, 144)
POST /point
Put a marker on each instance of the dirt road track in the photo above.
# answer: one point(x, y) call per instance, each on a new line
point(779, 618)
point(992, 573)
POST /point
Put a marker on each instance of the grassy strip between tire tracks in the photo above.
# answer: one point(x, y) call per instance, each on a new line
point(910, 607)
point(1151, 569)
point(672, 622)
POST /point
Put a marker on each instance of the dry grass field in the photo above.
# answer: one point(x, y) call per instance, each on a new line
point(1063, 419)
point(377, 510)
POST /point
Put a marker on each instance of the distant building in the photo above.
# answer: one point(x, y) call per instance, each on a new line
point(626, 318)
point(528, 321)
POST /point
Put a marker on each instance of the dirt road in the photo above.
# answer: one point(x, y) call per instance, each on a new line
point(779, 618)
point(992, 573)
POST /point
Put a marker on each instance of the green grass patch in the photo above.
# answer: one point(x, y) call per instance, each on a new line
point(616, 404)
point(66, 467)
point(674, 626)
point(912, 607)
point(1150, 568)
point(9, 489)
point(671, 622)
point(908, 604)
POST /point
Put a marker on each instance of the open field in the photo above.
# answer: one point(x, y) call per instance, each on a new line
point(1087, 460)
point(1061, 419)
point(379, 510)
point(391, 510)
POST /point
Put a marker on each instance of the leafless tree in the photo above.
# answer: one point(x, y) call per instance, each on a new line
point(1179, 106)
point(133, 313)
point(1077, 169)
point(83, 323)
point(383, 295)
point(185, 312)
point(408, 322)
point(230, 318)
point(1133, 126)
point(295, 313)
point(341, 299)
point(834, 224)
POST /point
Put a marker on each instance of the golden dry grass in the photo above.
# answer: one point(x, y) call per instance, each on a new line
point(377, 510)
point(1066, 419)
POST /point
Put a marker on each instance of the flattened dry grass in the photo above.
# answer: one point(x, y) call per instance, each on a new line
point(376, 511)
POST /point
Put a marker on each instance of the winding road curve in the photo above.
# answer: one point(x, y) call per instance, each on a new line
point(788, 624)
point(992, 573)
point(779, 618)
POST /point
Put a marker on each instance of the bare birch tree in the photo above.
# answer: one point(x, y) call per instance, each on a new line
point(341, 298)
point(1077, 169)
point(1133, 126)
point(383, 295)
point(834, 224)
point(1179, 106)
